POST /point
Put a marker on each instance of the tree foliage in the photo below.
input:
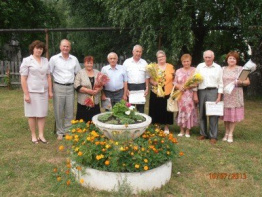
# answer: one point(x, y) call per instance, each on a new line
point(18, 14)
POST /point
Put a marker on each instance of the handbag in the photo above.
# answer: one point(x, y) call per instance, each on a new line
point(172, 105)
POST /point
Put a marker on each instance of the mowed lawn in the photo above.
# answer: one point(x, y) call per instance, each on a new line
point(225, 169)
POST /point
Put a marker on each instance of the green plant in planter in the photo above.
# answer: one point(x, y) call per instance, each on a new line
point(90, 148)
point(122, 113)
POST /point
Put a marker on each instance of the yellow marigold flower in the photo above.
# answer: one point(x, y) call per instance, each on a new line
point(107, 162)
point(81, 120)
point(81, 181)
point(181, 154)
point(132, 153)
point(68, 160)
point(108, 146)
point(126, 148)
point(68, 182)
point(122, 148)
point(73, 121)
point(143, 149)
point(76, 136)
point(145, 160)
point(55, 170)
point(98, 157)
point(88, 138)
point(58, 178)
point(146, 168)
point(80, 153)
point(73, 130)
point(94, 133)
point(76, 140)
point(84, 130)
point(68, 137)
point(61, 147)
point(116, 143)
point(135, 148)
point(137, 166)
point(76, 149)
point(123, 164)
point(167, 152)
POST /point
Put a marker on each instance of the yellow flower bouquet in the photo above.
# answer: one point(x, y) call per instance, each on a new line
point(192, 81)
point(159, 76)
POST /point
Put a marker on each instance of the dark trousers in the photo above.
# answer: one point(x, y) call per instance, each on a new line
point(141, 86)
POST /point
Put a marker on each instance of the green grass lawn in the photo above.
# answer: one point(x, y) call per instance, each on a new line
point(27, 169)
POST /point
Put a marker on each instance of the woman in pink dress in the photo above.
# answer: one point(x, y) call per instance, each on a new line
point(234, 102)
point(187, 114)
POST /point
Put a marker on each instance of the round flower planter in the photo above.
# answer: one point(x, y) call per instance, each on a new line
point(117, 132)
point(137, 181)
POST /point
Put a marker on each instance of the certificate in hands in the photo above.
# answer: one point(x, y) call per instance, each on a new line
point(214, 109)
point(137, 97)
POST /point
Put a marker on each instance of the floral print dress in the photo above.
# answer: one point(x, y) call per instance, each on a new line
point(187, 114)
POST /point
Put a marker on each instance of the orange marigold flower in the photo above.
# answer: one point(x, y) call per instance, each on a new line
point(55, 170)
point(181, 154)
point(61, 147)
point(80, 153)
point(146, 168)
point(103, 149)
point(135, 148)
point(97, 143)
point(68, 137)
point(68, 182)
point(81, 181)
point(137, 166)
point(79, 168)
point(68, 165)
point(67, 171)
point(107, 162)
point(58, 178)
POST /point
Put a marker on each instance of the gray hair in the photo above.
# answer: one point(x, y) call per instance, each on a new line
point(160, 52)
point(209, 51)
point(137, 46)
point(65, 40)
point(112, 53)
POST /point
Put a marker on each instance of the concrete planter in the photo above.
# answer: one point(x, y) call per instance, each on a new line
point(137, 181)
point(117, 132)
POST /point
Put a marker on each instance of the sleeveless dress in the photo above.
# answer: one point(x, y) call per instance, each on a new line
point(234, 102)
point(187, 113)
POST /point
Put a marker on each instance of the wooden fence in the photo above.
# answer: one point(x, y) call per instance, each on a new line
point(9, 72)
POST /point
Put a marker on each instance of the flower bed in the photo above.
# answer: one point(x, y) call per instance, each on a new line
point(91, 148)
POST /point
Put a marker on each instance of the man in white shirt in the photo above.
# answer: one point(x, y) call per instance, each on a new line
point(137, 76)
point(63, 67)
point(116, 88)
point(209, 90)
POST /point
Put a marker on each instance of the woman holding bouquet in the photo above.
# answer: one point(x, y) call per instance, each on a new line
point(187, 114)
point(88, 97)
point(233, 102)
point(158, 101)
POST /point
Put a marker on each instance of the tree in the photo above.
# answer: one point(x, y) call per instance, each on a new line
point(26, 14)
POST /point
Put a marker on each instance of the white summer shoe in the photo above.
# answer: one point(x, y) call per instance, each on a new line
point(187, 135)
point(180, 134)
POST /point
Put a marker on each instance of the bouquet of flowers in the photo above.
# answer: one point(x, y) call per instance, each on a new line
point(194, 80)
point(159, 76)
point(101, 80)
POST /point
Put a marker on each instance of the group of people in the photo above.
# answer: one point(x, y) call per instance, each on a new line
point(62, 75)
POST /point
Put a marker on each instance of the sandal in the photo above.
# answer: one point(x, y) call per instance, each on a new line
point(230, 138)
point(35, 142)
point(44, 142)
point(225, 137)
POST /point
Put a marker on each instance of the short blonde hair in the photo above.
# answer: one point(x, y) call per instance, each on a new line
point(186, 56)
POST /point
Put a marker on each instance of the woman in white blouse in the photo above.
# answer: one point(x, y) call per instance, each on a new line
point(37, 87)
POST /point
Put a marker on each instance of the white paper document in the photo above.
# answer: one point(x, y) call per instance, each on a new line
point(106, 104)
point(214, 109)
point(137, 97)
